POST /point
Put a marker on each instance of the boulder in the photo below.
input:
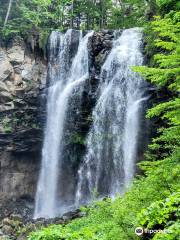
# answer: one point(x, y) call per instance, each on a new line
point(6, 68)
point(3, 86)
point(16, 217)
point(16, 55)
point(4, 237)
point(7, 230)
point(5, 97)
point(6, 221)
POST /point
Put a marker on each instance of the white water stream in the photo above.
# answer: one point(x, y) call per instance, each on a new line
point(109, 163)
point(63, 82)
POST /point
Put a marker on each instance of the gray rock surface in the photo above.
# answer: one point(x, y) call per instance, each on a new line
point(16, 227)
point(6, 68)
point(22, 116)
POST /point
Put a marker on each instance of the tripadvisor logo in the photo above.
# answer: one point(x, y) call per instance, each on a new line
point(139, 231)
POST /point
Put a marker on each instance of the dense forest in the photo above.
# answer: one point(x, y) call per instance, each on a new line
point(76, 14)
point(152, 202)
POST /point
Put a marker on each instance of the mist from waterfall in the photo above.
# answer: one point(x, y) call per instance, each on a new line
point(109, 163)
point(66, 72)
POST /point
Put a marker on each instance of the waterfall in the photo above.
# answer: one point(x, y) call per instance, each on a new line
point(66, 72)
point(109, 162)
point(108, 165)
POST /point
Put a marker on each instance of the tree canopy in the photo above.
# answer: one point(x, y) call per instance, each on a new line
point(19, 16)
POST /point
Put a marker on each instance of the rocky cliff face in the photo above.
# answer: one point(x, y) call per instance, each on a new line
point(22, 115)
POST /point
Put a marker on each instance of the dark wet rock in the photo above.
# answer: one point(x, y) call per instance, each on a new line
point(99, 47)
point(15, 226)
point(17, 209)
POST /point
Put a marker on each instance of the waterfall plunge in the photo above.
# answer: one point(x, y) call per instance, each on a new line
point(64, 77)
point(109, 162)
point(108, 165)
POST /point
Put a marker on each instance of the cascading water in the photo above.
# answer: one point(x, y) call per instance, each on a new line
point(111, 144)
point(108, 165)
point(65, 75)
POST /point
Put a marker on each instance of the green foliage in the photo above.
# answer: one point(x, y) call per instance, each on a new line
point(167, 5)
point(57, 232)
point(114, 220)
point(161, 212)
point(165, 74)
point(43, 38)
point(6, 123)
point(163, 215)
point(171, 233)
point(44, 16)
point(77, 138)
point(167, 39)
point(128, 14)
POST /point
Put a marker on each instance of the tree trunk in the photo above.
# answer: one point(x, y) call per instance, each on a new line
point(8, 12)
point(72, 15)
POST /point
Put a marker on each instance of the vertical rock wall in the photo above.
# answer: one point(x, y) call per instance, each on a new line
point(22, 116)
